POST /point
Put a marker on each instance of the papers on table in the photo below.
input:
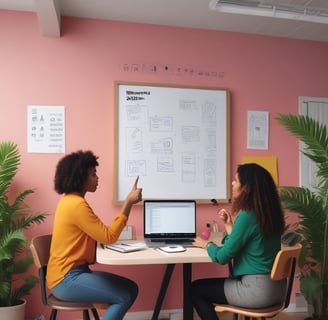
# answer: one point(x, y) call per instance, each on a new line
point(126, 247)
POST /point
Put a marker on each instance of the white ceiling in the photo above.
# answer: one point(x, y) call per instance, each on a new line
point(178, 13)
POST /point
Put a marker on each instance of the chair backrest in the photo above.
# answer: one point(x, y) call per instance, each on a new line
point(283, 263)
point(40, 249)
point(284, 267)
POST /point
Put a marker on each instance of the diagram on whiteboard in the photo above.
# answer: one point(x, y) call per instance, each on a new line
point(175, 139)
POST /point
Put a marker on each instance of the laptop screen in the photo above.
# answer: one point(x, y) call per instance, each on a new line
point(169, 219)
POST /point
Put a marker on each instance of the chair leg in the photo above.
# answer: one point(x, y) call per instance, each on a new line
point(53, 314)
point(95, 313)
point(86, 315)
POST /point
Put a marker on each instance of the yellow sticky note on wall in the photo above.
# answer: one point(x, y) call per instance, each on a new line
point(269, 163)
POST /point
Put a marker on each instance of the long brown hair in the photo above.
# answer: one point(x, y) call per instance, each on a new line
point(259, 193)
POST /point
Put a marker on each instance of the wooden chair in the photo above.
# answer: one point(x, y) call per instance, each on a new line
point(40, 249)
point(283, 268)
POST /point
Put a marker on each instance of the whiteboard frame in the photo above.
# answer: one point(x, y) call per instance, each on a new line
point(118, 158)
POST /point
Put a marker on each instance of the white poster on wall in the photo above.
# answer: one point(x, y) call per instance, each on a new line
point(45, 129)
point(257, 130)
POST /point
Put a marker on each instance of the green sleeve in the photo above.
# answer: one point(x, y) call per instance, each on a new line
point(243, 230)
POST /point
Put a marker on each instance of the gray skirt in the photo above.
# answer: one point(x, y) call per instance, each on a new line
point(254, 291)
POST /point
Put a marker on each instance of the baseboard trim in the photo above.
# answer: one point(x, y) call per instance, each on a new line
point(145, 315)
point(295, 309)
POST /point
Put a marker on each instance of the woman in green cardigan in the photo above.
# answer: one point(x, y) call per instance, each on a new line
point(253, 231)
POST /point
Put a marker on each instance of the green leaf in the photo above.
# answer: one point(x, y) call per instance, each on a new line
point(15, 218)
point(312, 209)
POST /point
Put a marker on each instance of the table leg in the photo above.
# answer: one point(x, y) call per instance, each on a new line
point(187, 303)
point(162, 292)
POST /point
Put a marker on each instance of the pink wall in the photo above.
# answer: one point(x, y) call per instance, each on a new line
point(78, 71)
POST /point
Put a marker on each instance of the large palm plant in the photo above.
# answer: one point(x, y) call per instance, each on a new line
point(15, 217)
point(312, 208)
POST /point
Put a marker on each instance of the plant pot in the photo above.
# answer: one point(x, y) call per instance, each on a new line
point(13, 312)
point(310, 313)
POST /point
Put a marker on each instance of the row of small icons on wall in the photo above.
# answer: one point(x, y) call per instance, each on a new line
point(172, 70)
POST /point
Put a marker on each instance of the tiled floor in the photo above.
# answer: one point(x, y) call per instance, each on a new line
point(281, 316)
point(291, 316)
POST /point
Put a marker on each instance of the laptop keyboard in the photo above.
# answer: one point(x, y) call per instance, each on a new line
point(183, 242)
point(173, 240)
point(178, 241)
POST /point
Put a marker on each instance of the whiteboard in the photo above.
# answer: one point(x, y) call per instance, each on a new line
point(176, 139)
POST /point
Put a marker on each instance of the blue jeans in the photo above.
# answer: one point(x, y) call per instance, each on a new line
point(83, 284)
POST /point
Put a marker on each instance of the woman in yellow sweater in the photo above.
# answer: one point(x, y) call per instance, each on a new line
point(76, 231)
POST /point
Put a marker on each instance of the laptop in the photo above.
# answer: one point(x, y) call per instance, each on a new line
point(169, 222)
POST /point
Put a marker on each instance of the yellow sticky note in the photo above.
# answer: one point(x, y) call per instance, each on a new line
point(267, 162)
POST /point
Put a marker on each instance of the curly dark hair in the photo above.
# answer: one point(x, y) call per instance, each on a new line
point(72, 171)
point(260, 194)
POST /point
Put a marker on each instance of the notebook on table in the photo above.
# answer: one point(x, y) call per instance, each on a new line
point(125, 247)
point(169, 222)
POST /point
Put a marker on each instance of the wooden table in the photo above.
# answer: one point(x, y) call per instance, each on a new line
point(150, 256)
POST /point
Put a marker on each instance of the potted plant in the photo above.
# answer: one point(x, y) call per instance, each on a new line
point(15, 217)
point(311, 205)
